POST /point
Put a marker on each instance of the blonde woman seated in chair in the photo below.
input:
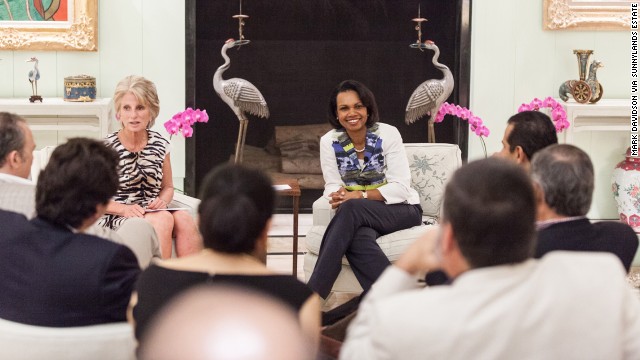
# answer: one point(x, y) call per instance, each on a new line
point(146, 185)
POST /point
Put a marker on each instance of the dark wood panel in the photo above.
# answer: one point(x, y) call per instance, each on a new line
point(301, 49)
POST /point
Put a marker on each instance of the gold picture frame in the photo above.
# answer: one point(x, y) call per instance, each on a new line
point(80, 33)
point(587, 15)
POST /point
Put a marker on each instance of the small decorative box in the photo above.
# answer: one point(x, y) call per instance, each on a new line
point(79, 88)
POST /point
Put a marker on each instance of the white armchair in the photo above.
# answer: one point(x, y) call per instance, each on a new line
point(431, 167)
point(113, 341)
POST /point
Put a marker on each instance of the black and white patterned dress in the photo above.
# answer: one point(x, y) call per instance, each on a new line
point(140, 174)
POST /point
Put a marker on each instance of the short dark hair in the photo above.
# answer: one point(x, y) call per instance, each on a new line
point(365, 95)
point(491, 208)
point(11, 135)
point(236, 204)
point(532, 131)
point(565, 174)
point(81, 174)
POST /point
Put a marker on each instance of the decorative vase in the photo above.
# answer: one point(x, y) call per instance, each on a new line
point(625, 184)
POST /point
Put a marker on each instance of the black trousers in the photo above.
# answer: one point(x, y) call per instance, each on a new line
point(352, 233)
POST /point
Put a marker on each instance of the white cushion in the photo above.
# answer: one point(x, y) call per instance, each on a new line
point(40, 160)
point(113, 341)
point(432, 164)
point(392, 245)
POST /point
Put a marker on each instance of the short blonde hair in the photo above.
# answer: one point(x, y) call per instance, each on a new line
point(144, 90)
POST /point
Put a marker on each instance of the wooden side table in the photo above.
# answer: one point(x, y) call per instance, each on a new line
point(294, 193)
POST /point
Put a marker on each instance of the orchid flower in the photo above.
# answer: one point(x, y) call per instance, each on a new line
point(183, 121)
point(558, 113)
point(475, 123)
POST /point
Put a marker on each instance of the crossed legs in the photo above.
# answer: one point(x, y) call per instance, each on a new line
point(353, 232)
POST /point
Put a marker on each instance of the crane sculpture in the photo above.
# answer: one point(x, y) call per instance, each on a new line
point(241, 96)
point(428, 96)
point(34, 76)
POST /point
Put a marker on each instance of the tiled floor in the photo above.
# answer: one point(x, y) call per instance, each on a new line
point(280, 245)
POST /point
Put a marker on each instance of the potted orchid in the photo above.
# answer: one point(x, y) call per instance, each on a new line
point(182, 122)
point(475, 123)
point(558, 113)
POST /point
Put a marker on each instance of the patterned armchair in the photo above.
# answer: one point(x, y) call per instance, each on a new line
point(431, 166)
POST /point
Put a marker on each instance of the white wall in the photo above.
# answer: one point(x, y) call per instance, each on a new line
point(144, 37)
point(514, 60)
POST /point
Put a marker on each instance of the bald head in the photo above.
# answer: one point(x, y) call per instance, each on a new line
point(225, 323)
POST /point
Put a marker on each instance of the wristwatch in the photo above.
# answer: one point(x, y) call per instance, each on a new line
point(364, 194)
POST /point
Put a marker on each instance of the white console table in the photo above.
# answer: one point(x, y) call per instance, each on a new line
point(605, 115)
point(55, 114)
point(603, 131)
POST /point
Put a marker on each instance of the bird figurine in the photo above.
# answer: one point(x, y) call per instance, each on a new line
point(241, 96)
point(428, 96)
point(34, 76)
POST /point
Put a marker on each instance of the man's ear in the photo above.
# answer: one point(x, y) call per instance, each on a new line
point(448, 238)
point(521, 156)
point(13, 159)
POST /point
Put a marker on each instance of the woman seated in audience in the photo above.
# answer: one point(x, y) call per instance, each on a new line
point(235, 216)
point(146, 184)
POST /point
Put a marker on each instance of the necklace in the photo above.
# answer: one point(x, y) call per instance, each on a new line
point(358, 150)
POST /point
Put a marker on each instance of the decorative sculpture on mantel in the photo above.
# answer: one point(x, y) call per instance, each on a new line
point(587, 89)
point(34, 76)
point(428, 96)
point(241, 95)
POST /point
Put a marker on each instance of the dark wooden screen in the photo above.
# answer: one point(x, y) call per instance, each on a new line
point(300, 49)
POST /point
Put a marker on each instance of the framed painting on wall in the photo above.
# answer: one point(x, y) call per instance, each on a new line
point(49, 25)
point(587, 15)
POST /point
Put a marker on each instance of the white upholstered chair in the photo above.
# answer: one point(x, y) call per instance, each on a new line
point(113, 341)
point(431, 166)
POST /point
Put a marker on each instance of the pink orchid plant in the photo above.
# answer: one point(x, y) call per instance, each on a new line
point(475, 123)
point(182, 121)
point(558, 114)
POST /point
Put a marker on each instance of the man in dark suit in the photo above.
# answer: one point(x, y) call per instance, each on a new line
point(52, 273)
point(564, 180)
point(17, 192)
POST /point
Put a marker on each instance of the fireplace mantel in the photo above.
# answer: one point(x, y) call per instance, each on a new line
point(55, 114)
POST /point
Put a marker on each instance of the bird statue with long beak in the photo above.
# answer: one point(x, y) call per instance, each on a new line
point(241, 96)
point(428, 96)
point(34, 76)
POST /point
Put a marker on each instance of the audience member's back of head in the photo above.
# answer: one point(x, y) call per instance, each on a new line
point(491, 207)
point(532, 131)
point(225, 323)
point(565, 174)
point(236, 204)
point(80, 175)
